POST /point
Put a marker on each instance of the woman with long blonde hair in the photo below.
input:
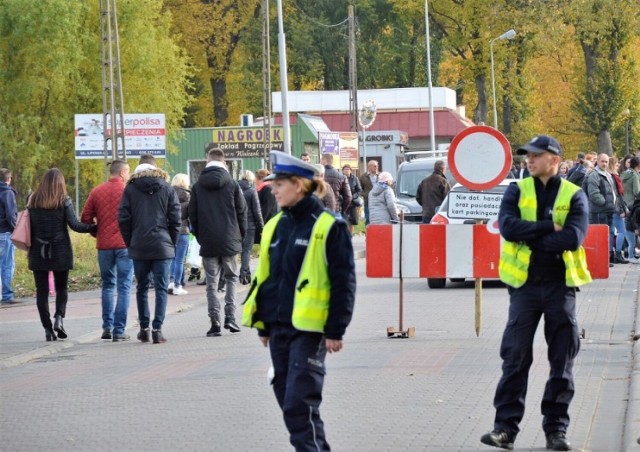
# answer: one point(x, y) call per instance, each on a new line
point(180, 184)
point(51, 214)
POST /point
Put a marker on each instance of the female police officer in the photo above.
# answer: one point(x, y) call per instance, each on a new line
point(301, 297)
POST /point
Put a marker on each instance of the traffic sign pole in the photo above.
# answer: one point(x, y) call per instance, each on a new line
point(479, 158)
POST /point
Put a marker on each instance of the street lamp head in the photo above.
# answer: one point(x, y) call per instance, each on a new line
point(509, 34)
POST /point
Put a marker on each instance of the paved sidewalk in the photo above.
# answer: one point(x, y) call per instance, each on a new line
point(433, 392)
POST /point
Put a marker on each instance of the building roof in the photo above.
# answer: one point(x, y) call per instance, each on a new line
point(448, 123)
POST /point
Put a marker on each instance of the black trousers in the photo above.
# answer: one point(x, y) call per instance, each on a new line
point(298, 361)
point(556, 302)
point(61, 279)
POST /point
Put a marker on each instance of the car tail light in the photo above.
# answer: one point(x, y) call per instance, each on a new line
point(439, 219)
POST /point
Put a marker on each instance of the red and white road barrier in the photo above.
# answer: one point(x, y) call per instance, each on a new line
point(456, 251)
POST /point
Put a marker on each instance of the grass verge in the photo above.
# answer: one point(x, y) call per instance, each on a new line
point(84, 276)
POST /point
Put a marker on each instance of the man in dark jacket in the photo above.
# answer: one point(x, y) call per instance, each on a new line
point(8, 219)
point(149, 219)
point(432, 190)
point(602, 198)
point(338, 183)
point(218, 215)
point(367, 181)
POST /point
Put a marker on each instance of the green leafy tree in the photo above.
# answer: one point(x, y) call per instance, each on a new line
point(604, 29)
point(50, 69)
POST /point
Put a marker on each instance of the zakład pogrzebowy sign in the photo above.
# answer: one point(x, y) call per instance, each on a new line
point(243, 142)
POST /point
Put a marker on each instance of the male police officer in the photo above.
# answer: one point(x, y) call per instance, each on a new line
point(543, 220)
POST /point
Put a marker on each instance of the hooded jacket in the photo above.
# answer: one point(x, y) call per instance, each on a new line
point(382, 205)
point(631, 183)
point(254, 213)
point(8, 208)
point(149, 216)
point(218, 213)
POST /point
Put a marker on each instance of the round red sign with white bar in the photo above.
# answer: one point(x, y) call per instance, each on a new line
point(480, 157)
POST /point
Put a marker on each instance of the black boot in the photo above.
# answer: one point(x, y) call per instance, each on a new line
point(215, 327)
point(619, 258)
point(230, 319)
point(58, 327)
point(50, 335)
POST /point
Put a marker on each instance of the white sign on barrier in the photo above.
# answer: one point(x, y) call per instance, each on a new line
point(473, 205)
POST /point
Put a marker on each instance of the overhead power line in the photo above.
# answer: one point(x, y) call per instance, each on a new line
point(311, 19)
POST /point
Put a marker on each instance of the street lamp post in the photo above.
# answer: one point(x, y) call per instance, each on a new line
point(432, 126)
point(509, 34)
point(627, 114)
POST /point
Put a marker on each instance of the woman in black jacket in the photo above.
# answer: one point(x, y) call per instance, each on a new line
point(50, 212)
point(352, 215)
point(254, 223)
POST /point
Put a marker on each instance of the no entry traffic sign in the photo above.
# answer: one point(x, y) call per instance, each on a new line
point(480, 157)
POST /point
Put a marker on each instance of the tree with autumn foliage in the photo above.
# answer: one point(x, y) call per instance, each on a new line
point(50, 69)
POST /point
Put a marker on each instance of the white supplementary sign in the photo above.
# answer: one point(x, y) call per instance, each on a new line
point(144, 134)
point(474, 205)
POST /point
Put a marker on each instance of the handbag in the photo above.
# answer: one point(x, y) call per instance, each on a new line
point(21, 236)
point(622, 207)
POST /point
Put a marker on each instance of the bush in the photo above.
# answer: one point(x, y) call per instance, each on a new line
point(84, 276)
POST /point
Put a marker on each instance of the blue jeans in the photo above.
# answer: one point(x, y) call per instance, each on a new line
point(618, 223)
point(7, 265)
point(116, 269)
point(160, 269)
point(177, 266)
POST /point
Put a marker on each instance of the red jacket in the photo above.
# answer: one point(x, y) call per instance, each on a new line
point(102, 205)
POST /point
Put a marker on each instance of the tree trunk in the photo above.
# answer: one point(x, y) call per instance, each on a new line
point(506, 115)
point(604, 143)
point(480, 112)
point(220, 103)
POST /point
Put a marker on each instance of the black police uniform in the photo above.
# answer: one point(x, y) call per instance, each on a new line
point(544, 293)
point(298, 356)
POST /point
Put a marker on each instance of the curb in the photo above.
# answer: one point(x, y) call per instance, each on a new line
point(632, 418)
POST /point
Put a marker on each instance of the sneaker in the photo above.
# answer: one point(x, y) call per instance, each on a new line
point(498, 439)
point(157, 336)
point(558, 441)
point(179, 291)
point(143, 335)
point(170, 288)
point(633, 260)
point(106, 334)
point(121, 337)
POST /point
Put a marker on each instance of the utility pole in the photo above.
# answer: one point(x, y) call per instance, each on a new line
point(266, 83)
point(353, 71)
point(112, 98)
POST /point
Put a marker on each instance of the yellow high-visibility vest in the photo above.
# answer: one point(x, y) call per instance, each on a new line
point(313, 288)
point(515, 257)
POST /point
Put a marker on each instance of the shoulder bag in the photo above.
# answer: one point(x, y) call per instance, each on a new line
point(21, 236)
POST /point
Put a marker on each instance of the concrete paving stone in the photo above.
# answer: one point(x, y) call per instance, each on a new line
point(433, 392)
